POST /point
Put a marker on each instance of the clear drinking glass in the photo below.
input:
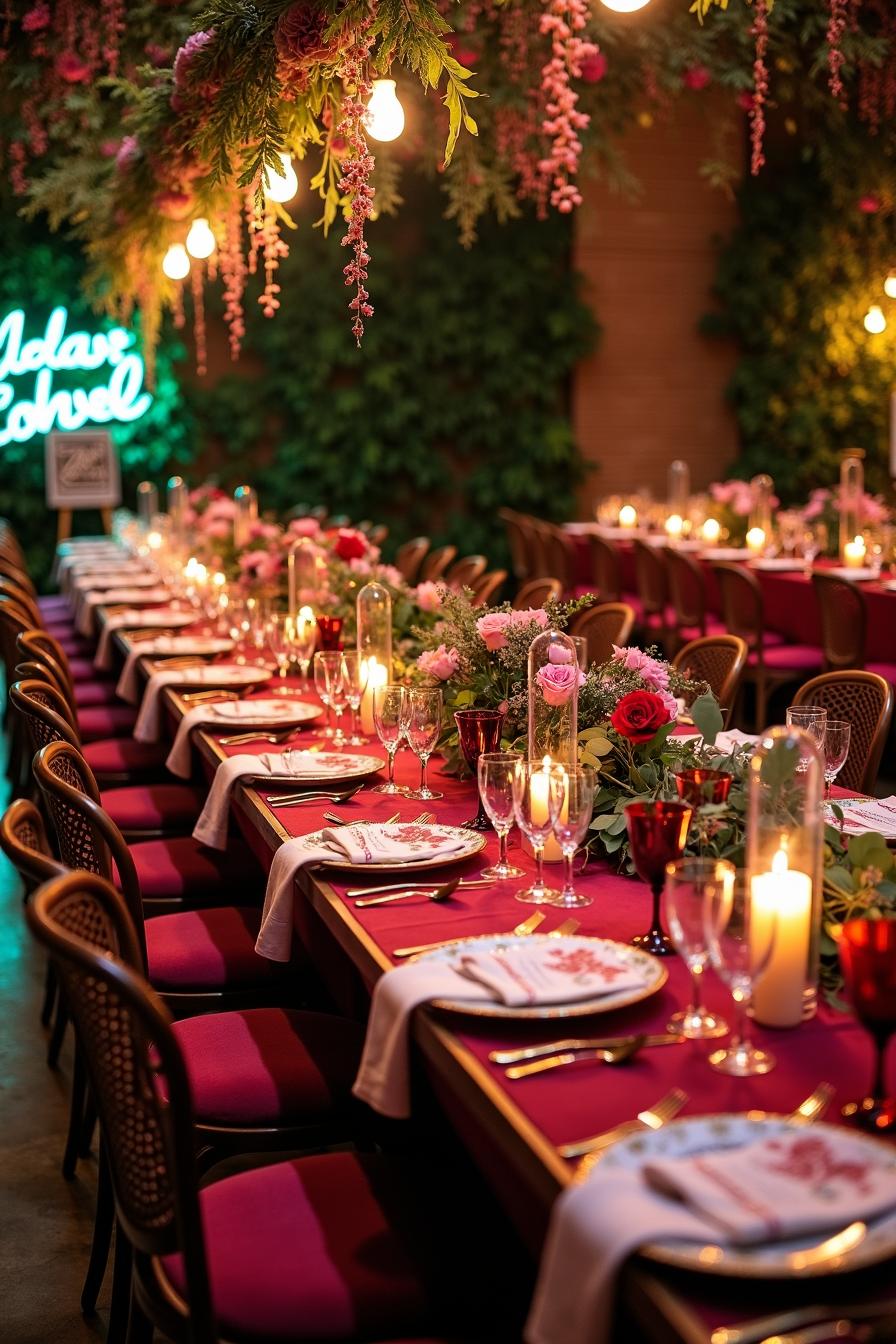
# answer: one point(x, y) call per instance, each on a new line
point(304, 642)
point(813, 718)
point(355, 672)
point(389, 720)
point(279, 640)
point(739, 952)
point(423, 728)
point(532, 801)
point(689, 884)
point(836, 751)
point(333, 663)
point(496, 771)
point(322, 687)
point(572, 811)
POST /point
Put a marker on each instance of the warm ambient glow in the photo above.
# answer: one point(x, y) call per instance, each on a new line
point(282, 186)
point(200, 239)
point(625, 6)
point(781, 910)
point(874, 320)
point(854, 553)
point(628, 516)
point(756, 540)
point(674, 526)
point(384, 118)
point(711, 531)
point(890, 285)
point(176, 264)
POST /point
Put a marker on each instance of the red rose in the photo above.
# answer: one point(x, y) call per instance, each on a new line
point(594, 68)
point(350, 545)
point(639, 715)
point(697, 77)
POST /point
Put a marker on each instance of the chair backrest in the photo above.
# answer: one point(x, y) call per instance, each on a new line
point(14, 620)
point(15, 589)
point(742, 605)
point(45, 713)
point(687, 589)
point(606, 567)
point(409, 557)
point(865, 701)
point(45, 648)
point(651, 578)
point(23, 839)
point(533, 546)
point(516, 543)
point(557, 552)
point(841, 606)
point(464, 573)
point(435, 564)
point(136, 1072)
point(486, 589)
point(378, 534)
point(602, 627)
point(536, 592)
point(719, 660)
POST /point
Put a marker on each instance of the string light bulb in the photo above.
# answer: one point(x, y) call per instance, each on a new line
point(384, 118)
point(282, 186)
point(200, 239)
point(176, 263)
point(874, 320)
point(625, 6)
point(890, 285)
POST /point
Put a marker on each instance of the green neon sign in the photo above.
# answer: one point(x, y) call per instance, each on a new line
point(43, 406)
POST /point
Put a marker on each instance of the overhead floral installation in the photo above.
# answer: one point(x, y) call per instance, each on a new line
point(184, 143)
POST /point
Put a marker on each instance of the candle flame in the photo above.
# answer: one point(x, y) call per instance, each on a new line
point(779, 862)
point(546, 764)
point(628, 516)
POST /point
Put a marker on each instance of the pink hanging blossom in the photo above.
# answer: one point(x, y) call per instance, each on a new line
point(36, 19)
point(113, 28)
point(233, 275)
point(71, 68)
point(199, 318)
point(358, 166)
point(697, 77)
point(759, 31)
point(837, 20)
point(564, 20)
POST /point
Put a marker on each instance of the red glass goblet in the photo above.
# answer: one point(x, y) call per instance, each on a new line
point(657, 833)
point(478, 730)
point(330, 628)
point(868, 959)
point(699, 786)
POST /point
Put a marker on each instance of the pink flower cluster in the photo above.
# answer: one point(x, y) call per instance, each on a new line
point(260, 566)
point(564, 20)
point(355, 180)
point(737, 496)
point(759, 32)
point(653, 673)
point(872, 510)
point(428, 596)
point(558, 681)
point(440, 663)
point(493, 627)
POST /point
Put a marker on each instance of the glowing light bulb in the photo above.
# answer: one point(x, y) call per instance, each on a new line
point(200, 239)
point(890, 285)
point(384, 117)
point(874, 320)
point(625, 6)
point(176, 263)
point(281, 186)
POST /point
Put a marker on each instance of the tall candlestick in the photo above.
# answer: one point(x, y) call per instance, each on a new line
point(781, 899)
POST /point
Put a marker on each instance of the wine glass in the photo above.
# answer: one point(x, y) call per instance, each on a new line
point(423, 728)
point(867, 950)
point(572, 811)
point(811, 718)
point(333, 663)
point(304, 640)
point(657, 833)
point(740, 949)
point(478, 730)
point(256, 616)
point(495, 774)
point(356, 670)
point(689, 884)
point(836, 751)
point(279, 640)
point(389, 720)
point(322, 687)
point(532, 801)
point(330, 628)
point(814, 541)
point(238, 625)
point(699, 786)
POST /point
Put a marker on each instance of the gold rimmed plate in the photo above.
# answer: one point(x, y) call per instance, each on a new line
point(427, 856)
point(276, 712)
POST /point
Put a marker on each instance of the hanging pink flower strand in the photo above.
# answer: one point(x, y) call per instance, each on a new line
point(564, 20)
point(836, 28)
point(359, 164)
point(759, 32)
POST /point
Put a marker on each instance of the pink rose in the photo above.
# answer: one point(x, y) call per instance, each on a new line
point(648, 669)
point(36, 19)
point(441, 663)
point(261, 565)
point(559, 654)
point(594, 68)
point(389, 574)
point(428, 596)
point(528, 615)
point(492, 629)
point(697, 77)
point(557, 681)
point(71, 68)
point(304, 527)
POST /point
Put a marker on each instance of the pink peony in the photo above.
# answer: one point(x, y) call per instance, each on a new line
point(36, 19)
point(261, 565)
point(186, 57)
point(697, 77)
point(300, 42)
point(71, 68)
point(492, 629)
point(594, 68)
point(441, 663)
point(389, 574)
point(558, 681)
point(428, 596)
point(528, 615)
point(671, 704)
point(648, 669)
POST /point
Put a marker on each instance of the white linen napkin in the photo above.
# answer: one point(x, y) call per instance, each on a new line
point(148, 725)
point(135, 596)
point(179, 760)
point(229, 715)
point(102, 579)
point(868, 814)
point(804, 1181)
point(137, 619)
point(211, 828)
point(531, 973)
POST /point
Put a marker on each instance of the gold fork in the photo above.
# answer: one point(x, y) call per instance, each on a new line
point(653, 1118)
point(527, 926)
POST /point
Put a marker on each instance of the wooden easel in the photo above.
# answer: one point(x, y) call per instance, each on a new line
point(64, 524)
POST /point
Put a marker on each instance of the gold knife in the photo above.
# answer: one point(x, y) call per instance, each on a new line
point(576, 1043)
point(571, 1057)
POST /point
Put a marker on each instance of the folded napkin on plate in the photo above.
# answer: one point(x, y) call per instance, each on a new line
point(179, 760)
point(128, 685)
point(869, 814)
point(211, 828)
point(136, 619)
point(355, 844)
point(528, 974)
point(799, 1182)
point(135, 596)
point(149, 724)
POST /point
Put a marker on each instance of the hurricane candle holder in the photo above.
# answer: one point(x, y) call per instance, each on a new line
point(147, 504)
point(246, 501)
point(784, 838)
point(678, 489)
point(852, 486)
point(373, 614)
point(303, 588)
point(763, 488)
point(176, 504)
point(554, 681)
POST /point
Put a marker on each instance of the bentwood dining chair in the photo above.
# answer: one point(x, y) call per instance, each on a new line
point(486, 589)
point(409, 558)
point(687, 592)
point(841, 607)
point(865, 701)
point(652, 580)
point(520, 559)
point(606, 567)
point(466, 572)
point(536, 592)
point(558, 557)
point(602, 627)
point(719, 660)
point(340, 1246)
point(434, 565)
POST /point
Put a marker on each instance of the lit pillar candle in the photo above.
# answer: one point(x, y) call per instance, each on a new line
point(674, 526)
point(540, 785)
point(782, 897)
point(756, 540)
point(711, 531)
point(377, 675)
point(854, 553)
point(628, 516)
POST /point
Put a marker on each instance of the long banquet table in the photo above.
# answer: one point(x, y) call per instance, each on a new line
point(512, 1129)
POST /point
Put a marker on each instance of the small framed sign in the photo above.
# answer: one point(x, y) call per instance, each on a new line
point(82, 471)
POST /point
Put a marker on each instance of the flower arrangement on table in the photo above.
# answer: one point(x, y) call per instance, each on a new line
point(731, 503)
point(824, 507)
point(859, 883)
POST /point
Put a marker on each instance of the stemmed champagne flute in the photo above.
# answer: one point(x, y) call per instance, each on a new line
point(740, 948)
point(337, 692)
point(690, 883)
point(388, 720)
point(657, 834)
point(495, 773)
point(813, 719)
point(572, 810)
point(356, 670)
point(836, 751)
point(304, 641)
point(279, 640)
point(532, 802)
point(322, 687)
point(423, 728)
point(868, 958)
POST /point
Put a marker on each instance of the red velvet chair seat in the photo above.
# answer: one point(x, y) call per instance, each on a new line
point(182, 868)
point(688, 632)
point(55, 605)
point(803, 659)
point(339, 1246)
point(206, 951)
point(95, 694)
point(154, 807)
point(82, 669)
point(269, 1066)
point(122, 755)
point(96, 721)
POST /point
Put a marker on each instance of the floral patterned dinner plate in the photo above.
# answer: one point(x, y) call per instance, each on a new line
point(426, 843)
point(259, 713)
point(212, 675)
point(770, 1260)
point(653, 971)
